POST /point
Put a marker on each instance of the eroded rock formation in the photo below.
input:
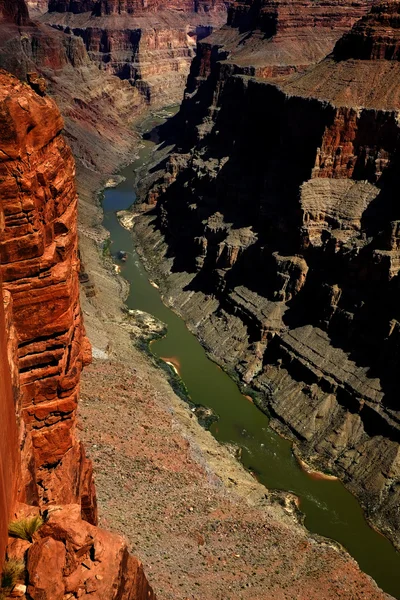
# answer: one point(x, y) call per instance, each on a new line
point(42, 354)
point(9, 407)
point(280, 215)
point(146, 43)
point(39, 265)
point(97, 108)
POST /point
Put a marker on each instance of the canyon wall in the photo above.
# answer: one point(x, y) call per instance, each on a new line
point(97, 107)
point(275, 228)
point(9, 398)
point(39, 266)
point(46, 344)
point(147, 44)
point(112, 7)
point(14, 11)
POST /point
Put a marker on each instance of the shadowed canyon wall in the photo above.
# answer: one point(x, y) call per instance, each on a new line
point(280, 223)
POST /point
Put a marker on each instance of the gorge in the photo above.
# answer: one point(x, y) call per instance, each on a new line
point(270, 167)
point(324, 239)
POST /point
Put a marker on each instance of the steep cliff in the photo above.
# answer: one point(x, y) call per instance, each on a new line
point(148, 44)
point(97, 107)
point(280, 226)
point(9, 407)
point(39, 268)
point(112, 7)
point(39, 264)
point(14, 11)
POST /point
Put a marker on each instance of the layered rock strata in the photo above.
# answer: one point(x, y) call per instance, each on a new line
point(97, 107)
point(112, 7)
point(9, 406)
point(280, 218)
point(149, 45)
point(39, 267)
point(43, 346)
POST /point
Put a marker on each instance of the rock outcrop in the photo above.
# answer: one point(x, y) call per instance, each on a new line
point(280, 217)
point(9, 407)
point(37, 7)
point(14, 11)
point(147, 44)
point(39, 266)
point(43, 350)
point(97, 107)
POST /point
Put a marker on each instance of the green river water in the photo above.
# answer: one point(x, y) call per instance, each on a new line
point(330, 510)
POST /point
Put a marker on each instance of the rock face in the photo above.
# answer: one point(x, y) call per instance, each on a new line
point(9, 460)
point(97, 107)
point(280, 217)
point(39, 267)
point(43, 348)
point(37, 7)
point(145, 43)
point(112, 7)
point(14, 11)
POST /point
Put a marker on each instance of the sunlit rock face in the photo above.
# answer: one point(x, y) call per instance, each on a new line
point(39, 267)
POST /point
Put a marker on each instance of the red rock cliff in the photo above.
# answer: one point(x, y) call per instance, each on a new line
point(42, 335)
point(9, 460)
point(39, 266)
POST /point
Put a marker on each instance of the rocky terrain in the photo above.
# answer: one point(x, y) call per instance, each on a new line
point(273, 231)
point(162, 480)
point(97, 107)
point(44, 467)
point(146, 43)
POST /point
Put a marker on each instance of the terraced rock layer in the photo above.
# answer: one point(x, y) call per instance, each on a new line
point(279, 221)
point(112, 7)
point(97, 108)
point(151, 45)
point(44, 349)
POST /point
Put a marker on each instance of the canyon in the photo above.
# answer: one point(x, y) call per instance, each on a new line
point(141, 42)
point(272, 229)
point(225, 212)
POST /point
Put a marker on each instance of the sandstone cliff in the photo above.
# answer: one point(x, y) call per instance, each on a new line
point(280, 218)
point(9, 460)
point(39, 268)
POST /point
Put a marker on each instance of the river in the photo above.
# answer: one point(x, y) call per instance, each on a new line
point(330, 510)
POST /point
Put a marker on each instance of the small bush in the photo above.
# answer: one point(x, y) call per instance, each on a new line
point(12, 571)
point(25, 528)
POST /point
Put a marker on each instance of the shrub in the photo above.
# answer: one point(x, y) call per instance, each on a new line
point(12, 571)
point(25, 528)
